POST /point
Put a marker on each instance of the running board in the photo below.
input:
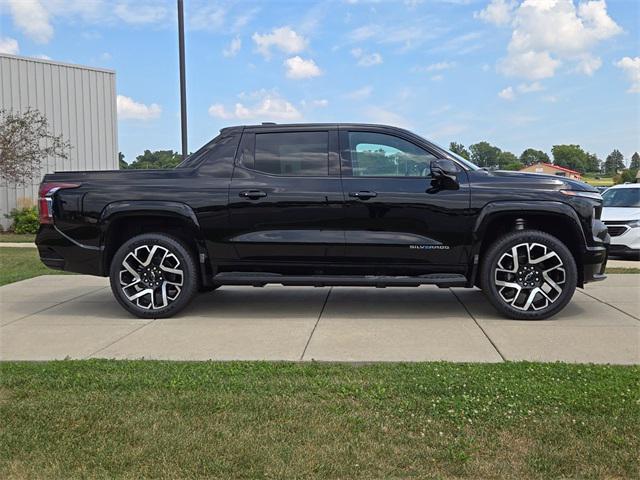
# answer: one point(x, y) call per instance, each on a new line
point(258, 279)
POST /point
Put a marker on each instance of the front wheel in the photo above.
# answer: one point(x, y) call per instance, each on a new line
point(153, 276)
point(528, 275)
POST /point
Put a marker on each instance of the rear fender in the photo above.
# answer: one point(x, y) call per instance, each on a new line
point(162, 209)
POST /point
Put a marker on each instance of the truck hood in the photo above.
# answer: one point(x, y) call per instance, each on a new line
point(620, 213)
point(552, 182)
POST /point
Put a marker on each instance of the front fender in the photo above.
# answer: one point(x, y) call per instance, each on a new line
point(495, 210)
point(490, 211)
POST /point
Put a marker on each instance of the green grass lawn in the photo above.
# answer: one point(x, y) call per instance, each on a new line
point(117, 419)
point(21, 263)
point(15, 237)
point(598, 182)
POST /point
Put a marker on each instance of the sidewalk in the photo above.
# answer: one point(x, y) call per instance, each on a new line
point(56, 317)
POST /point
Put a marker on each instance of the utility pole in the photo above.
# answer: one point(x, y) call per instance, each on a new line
point(183, 84)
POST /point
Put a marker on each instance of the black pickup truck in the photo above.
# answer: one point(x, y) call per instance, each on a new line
point(320, 205)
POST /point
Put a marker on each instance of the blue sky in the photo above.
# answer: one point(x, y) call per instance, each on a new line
point(518, 74)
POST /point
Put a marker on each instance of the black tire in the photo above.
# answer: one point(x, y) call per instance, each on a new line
point(154, 278)
point(521, 300)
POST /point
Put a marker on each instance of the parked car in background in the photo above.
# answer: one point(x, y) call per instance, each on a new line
point(621, 214)
point(322, 205)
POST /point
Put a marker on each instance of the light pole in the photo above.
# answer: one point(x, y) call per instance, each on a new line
point(183, 85)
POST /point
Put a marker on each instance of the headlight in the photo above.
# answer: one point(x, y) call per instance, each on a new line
point(580, 193)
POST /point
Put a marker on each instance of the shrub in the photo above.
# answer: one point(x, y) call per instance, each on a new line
point(25, 220)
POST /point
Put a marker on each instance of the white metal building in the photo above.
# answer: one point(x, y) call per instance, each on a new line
point(79, 103)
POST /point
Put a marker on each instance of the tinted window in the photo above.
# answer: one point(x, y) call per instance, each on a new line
point(217, 160)
point(292, 153)
point(381, 155)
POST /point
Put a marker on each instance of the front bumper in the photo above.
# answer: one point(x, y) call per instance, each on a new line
point(594, 258)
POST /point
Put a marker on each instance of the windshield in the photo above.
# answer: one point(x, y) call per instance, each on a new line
point(622, 197)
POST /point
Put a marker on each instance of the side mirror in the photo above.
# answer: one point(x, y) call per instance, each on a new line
point(444, 171)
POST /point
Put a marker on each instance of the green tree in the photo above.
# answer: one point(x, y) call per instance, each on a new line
point(157, 159)
point(592, 162)
point(614, 162)
point(570, 156)
point(484, 154)
point(25, 141)
point(635, 161)
point(121, 163)
point(626, 176)
point(532, 156)
point(459, 149)
point(508, 158)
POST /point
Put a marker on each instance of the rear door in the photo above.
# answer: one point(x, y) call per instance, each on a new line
point(395, 213)
point(285, 199)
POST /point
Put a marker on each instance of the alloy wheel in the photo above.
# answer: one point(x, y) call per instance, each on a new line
point(151, 277)
point(529, 276)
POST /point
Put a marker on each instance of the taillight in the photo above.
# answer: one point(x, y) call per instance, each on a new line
point(45, 199)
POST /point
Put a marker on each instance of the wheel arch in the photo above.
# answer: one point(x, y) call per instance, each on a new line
point(120, 221)
point(554, 218)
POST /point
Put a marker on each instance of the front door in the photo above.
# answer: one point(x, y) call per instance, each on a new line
point(285, 199)
point(395, 213)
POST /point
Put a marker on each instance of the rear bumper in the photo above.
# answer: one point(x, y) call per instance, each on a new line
point(61, 252)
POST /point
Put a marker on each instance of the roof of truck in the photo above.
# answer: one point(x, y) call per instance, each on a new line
point(270, 125)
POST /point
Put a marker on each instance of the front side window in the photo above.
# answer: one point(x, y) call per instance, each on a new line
point(382, 155)
point(292, 153)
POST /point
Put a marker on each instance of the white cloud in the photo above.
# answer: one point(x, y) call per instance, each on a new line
point(267, 106)
point(438, 67)
point(437, 78)
point(140, 14)
point(385, 116)
point(547, 33)
point(299, 68)
point(533, 65)
point(631, 66)
point(498, 12)
point(507, 94)
point(32, 18)
point(233, 48)
point(408, 35)
point(360, 93)
point(366, 59)
point(530, 87)
point(42, 56)
point(208, 16)
point(588, 64)
point(9, 45)
point(283, 38)
point(130, 109)
point(319, 103)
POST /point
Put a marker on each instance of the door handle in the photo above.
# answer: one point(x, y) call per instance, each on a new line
point(363, 195)
point(252, 194)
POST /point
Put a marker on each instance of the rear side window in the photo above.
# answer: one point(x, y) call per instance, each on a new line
point(300, 154)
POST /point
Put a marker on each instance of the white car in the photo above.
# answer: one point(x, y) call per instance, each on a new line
point(621, 214)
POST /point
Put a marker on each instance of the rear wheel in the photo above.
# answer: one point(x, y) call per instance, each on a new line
point(153, 276)
point(528, 275)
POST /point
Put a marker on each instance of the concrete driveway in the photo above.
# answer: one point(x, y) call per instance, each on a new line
point(55, 317)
